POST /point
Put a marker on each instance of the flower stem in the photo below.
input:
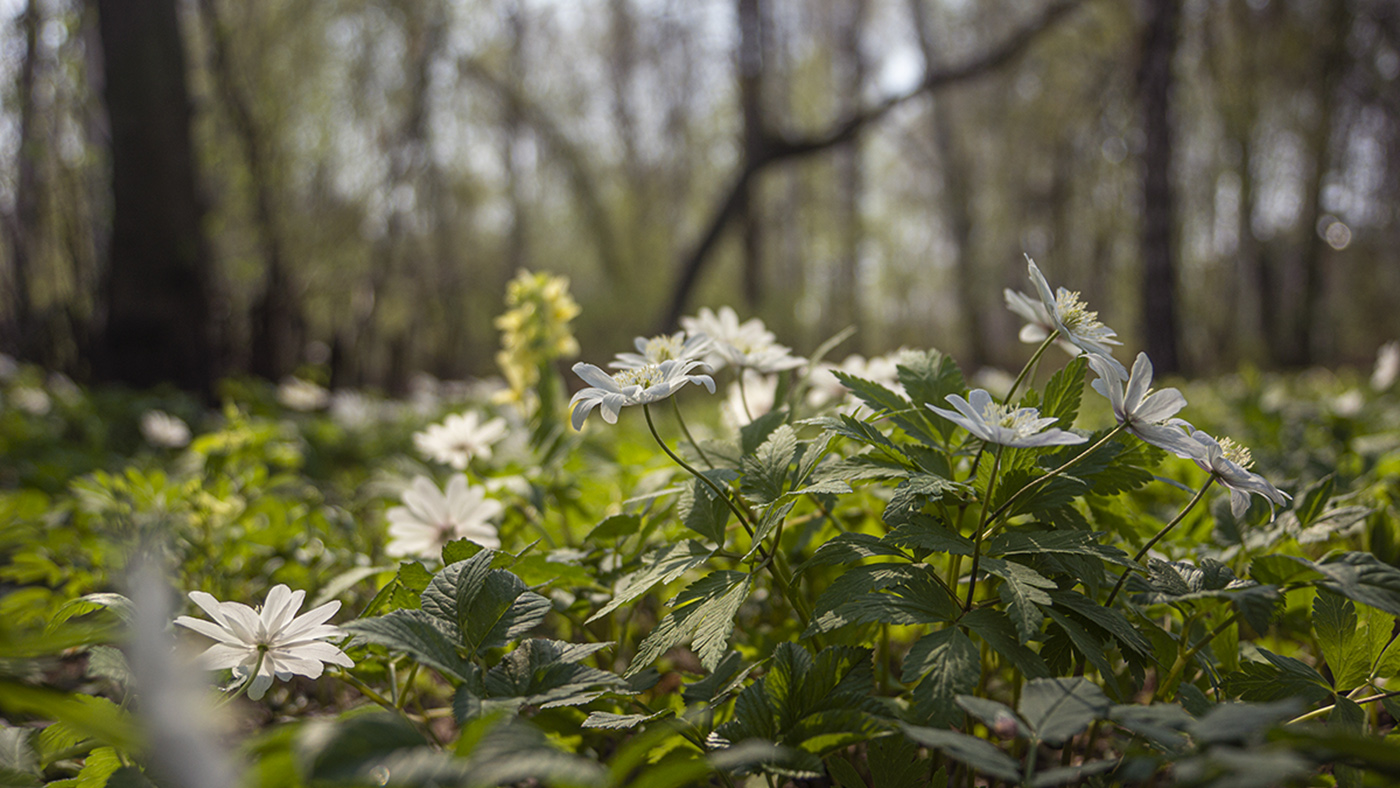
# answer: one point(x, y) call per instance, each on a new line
point(1158, 537)
point(1189, 654)
point(243, 688)
point(981, 527)
point(1075, 460)
point(1025, 370)
point(1315, 713)
point(733, 507)
point(693, 443)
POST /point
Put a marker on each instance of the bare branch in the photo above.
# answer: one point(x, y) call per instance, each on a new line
point(777, 148)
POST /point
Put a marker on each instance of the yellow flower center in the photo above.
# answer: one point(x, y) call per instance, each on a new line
point(1236, 453)
point(646, 377)
point(663, 348)
point(1073, 312)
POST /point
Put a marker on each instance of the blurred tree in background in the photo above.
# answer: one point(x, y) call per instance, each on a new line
point(365, 176)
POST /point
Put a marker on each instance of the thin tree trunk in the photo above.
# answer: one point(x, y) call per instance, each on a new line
point(157, 287)
point(750, 75)
point(276, 314)
point(1158, 211)
point(844, 301)
point(24, 223)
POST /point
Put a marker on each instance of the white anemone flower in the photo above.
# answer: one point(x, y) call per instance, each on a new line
point(303, 395)
point(273, 641)
point(667, 347)
point(1074, 321)
point(163, 430)
point(430, 518)
point(1387, 366)
point(747, 345)
point(640, 386)
point(459, 438)
point(1039, 324)
point(1229, 463)
point(1141, 410)
point(1004, 425)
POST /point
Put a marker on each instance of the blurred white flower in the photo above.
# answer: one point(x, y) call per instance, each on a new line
point(1142, 410)
point(1039, 324)
point(748, 344)
point(64, 389)
point(640, 386)
point(459, 438)
point(1004, 424)
point(744, 403)
point(1349, 403)
point(164, 430)
point(352, 410)
point(303, 395)
point(273, 641)
point(1229, 463)
point(1074, 321)
point(430, 518)
point(8, 367)
point(667, 347)
point(31, 400)
point(826, 388)
point(1387, 366)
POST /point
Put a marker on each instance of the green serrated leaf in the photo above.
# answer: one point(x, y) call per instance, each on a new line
point(753, 434)
point(708, 601)
point(1023, 590)
point(1039, 542)
point(1282, 569)
point(970, 750)
point(998, 717)
point(927, 534)
point(1241, 722)
point(1334, 624)
point(1163, 724)
point(662, 565)
point(1314, 500)
point(766, 470)
point(1110, 620)
point(618, 526)
point(996, 629)
point(928, 378)
point(1063, 393)
point(1084, 642)
point(1363, 578)
point(847, 548)
point(1058, 708)
point(417, 634)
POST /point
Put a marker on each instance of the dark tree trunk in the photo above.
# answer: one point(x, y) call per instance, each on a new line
point(1158, 211)
point(844, 302)
point(750, 64)
point(156, 291)
point(24, 223)
point(276, 317)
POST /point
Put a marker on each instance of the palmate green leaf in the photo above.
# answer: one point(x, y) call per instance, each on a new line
point(894, 763)
point(970, 750)
point(1282, 677)
point(1349, 654)
point(854, 583)
point(998, 717)
point(454, 587)
point(1085, 643)
point(996, 629)
point(1110, 620)
point(503, 610)
point(1023, 590)
point(1241, 722)
point(1314, 500)
point(1163, 724)
point(546, 673)
point(662, 565)
point(925, 534)
point(879, 399)
point(90, 716)
point(929, 377)
point(915, 600)
point(809, 704)
point(1364, 578)
point(726, 679)
point(946, 664)
point(766, 470)
point(621, 722)
point(704, 609)
point(1040, 542)
point(861, 467)
point(418, 634)
point(341, 750)
point(847, 548)
point(768, 522)
point(756, 432)
point(1058, 708)
point(919, 490)
point(1281, 569)
point(618, 526)
point(861, 432)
